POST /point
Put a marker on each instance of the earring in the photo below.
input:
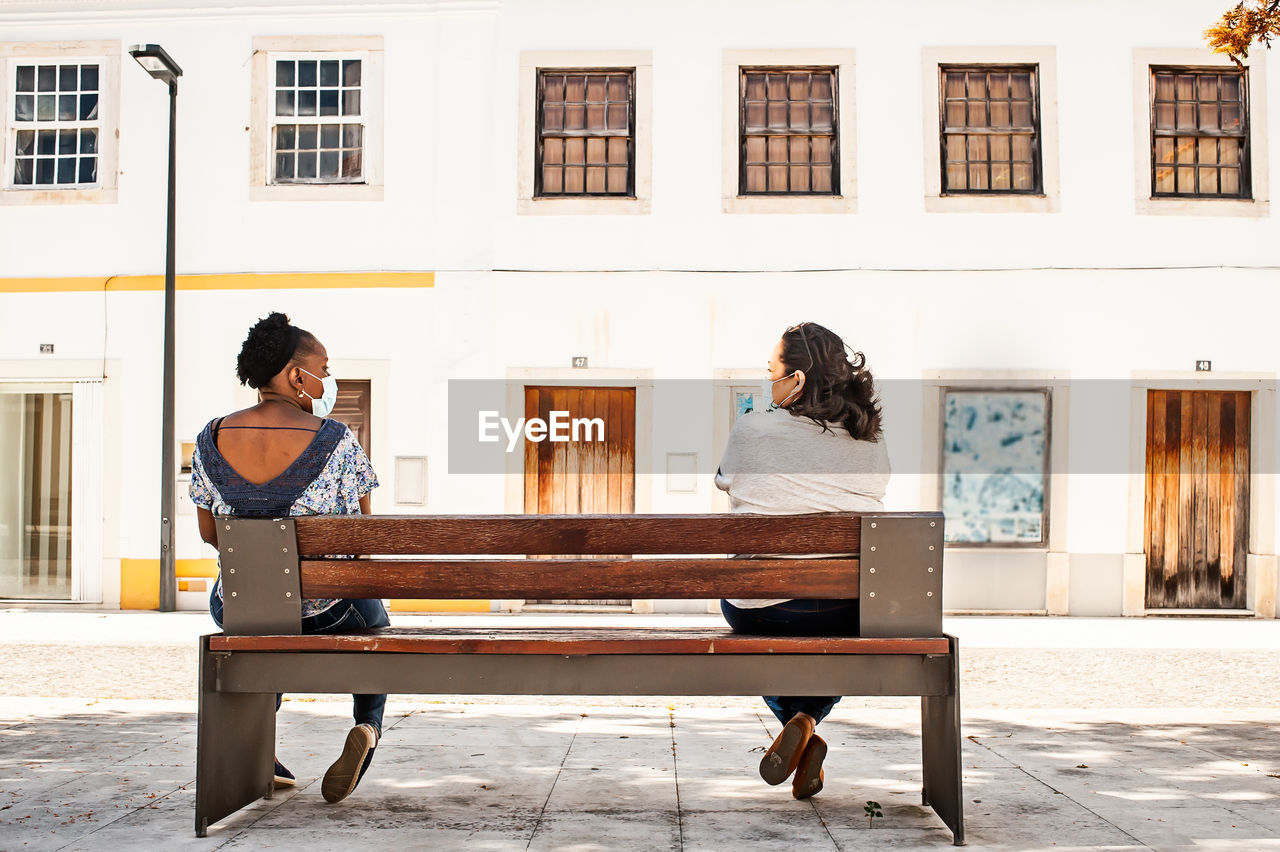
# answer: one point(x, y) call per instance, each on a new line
point(299, 394)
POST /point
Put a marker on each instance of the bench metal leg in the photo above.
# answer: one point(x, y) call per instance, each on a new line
point(235, 746)
point(940, 743)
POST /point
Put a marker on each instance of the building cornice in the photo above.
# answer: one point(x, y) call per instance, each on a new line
point(96, 11)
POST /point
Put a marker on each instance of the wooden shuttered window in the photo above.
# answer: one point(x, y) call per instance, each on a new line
point(586, 133)
point(990, 120)
point(788, 132)
point(1199, 133)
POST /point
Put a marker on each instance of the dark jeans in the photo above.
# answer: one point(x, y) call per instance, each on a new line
point(797, 618)
point(346, 616)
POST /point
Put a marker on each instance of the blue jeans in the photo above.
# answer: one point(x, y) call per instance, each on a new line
point(346, 616)
point(797, 618)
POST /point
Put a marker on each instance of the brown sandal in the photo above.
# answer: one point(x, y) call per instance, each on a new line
point(809, 776)
point(781, 758)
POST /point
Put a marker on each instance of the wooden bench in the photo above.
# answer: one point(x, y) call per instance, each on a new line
point(268, 567)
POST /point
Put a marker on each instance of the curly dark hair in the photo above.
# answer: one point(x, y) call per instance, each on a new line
point(269, 347)
point(837, 389)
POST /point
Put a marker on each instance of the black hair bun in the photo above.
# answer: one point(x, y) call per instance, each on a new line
point(267, 350)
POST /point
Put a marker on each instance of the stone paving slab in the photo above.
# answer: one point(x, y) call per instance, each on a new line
point(505, 775)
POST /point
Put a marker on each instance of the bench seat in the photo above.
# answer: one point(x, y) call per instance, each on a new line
point(577, 641)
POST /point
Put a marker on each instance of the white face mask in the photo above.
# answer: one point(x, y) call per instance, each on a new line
point(766, 390)
point(321, 406)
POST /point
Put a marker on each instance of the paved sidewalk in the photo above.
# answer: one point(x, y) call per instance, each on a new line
point(1166, 735)
point(506, 776)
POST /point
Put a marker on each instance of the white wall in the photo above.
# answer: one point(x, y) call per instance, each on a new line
point(1094, 291)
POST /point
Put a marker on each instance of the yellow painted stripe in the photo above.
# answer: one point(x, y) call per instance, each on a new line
point(417, 605)
point(223, 281)
point(195, 568)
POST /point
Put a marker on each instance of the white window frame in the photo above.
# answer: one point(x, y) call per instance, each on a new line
point(527, 204)
point(106, 55)
point(1045, 57)
point(843, 60)
point(1145, 203)
point(369, 50)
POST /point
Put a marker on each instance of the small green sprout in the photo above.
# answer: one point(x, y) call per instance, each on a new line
point(873, 811)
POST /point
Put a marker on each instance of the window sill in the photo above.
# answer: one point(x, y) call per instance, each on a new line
point(316, 192)
point(991, 204)
point(590, 206)
point(787, 204)
point(57, 196)
point(1229, 207)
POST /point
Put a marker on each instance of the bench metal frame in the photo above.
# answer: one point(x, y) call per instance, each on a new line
point(901, 591)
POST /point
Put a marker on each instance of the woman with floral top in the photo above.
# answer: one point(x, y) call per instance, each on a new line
point(282, 457)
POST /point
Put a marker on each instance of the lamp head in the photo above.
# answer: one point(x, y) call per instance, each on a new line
point(156, 62)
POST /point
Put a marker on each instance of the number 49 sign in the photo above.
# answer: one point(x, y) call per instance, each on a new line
point(1204, 366)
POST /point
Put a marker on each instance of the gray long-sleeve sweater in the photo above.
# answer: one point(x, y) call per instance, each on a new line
point(780, 464)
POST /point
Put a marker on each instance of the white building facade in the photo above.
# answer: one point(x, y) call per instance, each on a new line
point(1037, 226)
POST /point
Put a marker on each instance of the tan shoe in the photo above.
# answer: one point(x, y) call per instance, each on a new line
point(346, 771)
point(283, 777)
point(808, 780)
point(781, 758)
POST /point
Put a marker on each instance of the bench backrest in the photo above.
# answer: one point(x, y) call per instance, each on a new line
point(891, 561)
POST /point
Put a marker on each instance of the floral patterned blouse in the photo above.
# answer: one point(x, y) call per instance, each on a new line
point(329, 478)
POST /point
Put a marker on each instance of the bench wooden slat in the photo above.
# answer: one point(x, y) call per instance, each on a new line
point(464, 535)
point(576, 642)
point(541, 579)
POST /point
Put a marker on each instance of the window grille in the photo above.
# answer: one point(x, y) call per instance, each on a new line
point(586, 133)
point(788, 132)
point(1199, 133)
point(990, 121)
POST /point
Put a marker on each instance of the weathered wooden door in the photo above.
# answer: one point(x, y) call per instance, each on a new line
point(584, 476)
point(1197, 499)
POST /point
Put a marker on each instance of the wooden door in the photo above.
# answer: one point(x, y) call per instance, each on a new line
point(583, 476)
point(1196, 524)
point(355, 397)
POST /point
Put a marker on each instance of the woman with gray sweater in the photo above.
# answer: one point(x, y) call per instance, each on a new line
point(817, 447)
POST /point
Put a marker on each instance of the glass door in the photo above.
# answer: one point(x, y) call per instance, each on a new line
point(35, 492)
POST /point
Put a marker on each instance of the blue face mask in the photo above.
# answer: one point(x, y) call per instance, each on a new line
point(321, 406)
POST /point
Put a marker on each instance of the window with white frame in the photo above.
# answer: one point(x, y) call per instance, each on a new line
point(317, 119)
point(995, 452)
point(54, 129)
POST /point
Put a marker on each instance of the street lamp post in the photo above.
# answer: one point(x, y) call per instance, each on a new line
point(158, 63)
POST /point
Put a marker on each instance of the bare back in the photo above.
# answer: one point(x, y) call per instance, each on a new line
point(261, 442)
